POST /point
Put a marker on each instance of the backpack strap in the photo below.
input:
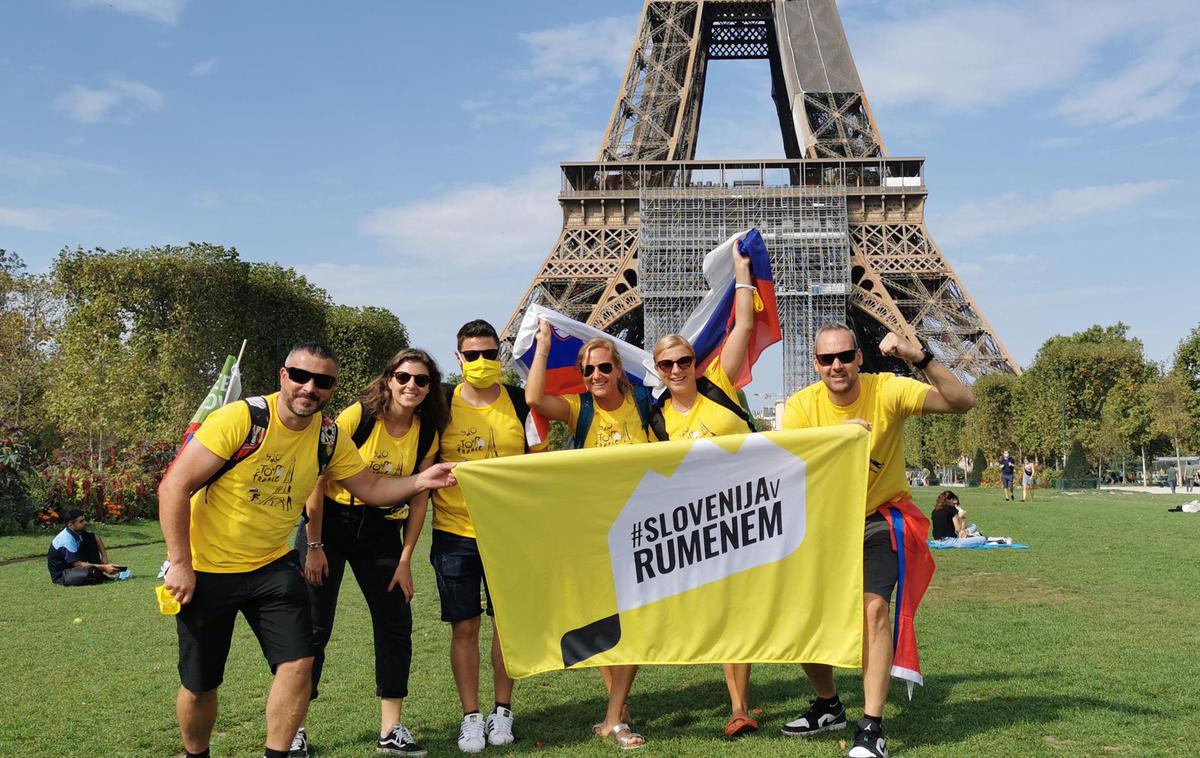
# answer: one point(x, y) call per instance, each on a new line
point(260, 421)
point(641, 399)
point(587, 411)
point(655, 421)
point(517, 396)
point(715, 394)
point(424, 442)
point(326, 443)
point(366, 424)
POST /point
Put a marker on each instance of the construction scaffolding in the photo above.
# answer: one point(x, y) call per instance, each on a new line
point(807, 236)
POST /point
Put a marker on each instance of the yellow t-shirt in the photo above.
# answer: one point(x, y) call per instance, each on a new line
point(474, 434)
point(246, 518)
point(885, 400)
point(705, 418)
point(381, 452)
point(620, 427)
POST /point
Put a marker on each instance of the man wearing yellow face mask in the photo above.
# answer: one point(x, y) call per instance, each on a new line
point(487, 420)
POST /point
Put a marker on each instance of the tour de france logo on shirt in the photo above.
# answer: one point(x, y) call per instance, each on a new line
point(608, 435)
point(473, 445)
point(701, 430)
point(381, 463)
point(273, 482)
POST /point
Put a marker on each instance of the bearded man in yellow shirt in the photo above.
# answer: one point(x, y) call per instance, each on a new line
point(880, 403)
point(227, 530)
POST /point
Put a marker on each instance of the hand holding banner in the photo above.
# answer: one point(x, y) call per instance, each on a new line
point(745, 548)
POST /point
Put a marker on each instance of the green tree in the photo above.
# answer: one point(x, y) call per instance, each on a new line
point(364, 339)
point(1077, 465)
point(1187, 359)
point(989, 425)
point(26, 341)
point(979, 464)
point(1173, 411)
point(144, 332)
point(1060, 397)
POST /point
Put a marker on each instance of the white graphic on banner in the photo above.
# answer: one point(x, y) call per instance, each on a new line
point(714, 517)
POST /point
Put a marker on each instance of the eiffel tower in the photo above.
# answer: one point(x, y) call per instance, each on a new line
point(844, 220)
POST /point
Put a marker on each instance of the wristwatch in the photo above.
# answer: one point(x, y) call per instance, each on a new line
point(926, 356)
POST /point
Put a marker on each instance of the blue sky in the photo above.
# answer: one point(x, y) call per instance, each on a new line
point(405, 154)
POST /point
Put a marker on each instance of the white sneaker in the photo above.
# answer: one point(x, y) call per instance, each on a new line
point(499, 727)
point(470, 734)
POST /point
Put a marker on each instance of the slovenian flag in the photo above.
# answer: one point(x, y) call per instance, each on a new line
point(226, 389)
point(709, 325)
point(562, 376)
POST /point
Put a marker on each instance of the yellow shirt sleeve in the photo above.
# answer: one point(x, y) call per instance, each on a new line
point(574, 403)
point(715, 374)
point(346, 461)
point(225, 430)
point(905, 397)
point(794, 416)
point(349, 419)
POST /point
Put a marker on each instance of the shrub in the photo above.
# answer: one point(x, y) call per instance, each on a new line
point(1077, 465)
point(16, 462)
point(978, 466)
point(991, 477)
point(124, 489)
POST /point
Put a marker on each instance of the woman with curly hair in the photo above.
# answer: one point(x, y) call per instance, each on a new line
point(395, 426)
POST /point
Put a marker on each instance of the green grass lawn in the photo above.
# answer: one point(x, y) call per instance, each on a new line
point(1084, 645)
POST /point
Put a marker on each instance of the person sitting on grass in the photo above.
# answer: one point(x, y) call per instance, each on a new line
point(948, 518)
point(77, 557)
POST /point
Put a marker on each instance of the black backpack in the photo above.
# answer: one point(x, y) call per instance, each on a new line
point(709, 390)
point(260, 421)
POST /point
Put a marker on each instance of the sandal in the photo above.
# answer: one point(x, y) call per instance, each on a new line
point(739, 725)
point(620, 735)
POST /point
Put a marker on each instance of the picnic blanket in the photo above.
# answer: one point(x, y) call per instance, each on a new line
point(957, 543)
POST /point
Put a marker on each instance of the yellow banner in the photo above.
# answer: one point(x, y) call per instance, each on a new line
point(745, 548)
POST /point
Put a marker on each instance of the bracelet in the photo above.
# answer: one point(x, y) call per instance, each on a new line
point(741, 286)
point(317, 543)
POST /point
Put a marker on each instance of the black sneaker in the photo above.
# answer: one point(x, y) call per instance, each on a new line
point(868, 741)
point(299, 748)
point(821, 716)
point(400, 741)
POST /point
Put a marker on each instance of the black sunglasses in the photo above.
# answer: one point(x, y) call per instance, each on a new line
point(667, 364)
point(402, 378)
point(300, 376)
point(846, 356)
point(491, 354)
point(604, 368)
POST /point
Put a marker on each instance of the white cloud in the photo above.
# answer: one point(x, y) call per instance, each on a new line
point(33, 167)
point(166, 11)
point(204, 67)
point(576, 55)
point(485, 225)
point(48, 219)
point(1012, 211)
point(118, 100)
point(1107, 64)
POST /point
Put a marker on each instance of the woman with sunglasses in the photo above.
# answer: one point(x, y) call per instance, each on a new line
point(688, 414)
point(395, 425)
point(615, 420)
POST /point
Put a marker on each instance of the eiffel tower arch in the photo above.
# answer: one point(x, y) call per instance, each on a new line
point(844, 220)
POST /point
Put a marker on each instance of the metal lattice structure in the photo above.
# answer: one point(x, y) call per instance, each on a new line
point(806, 235)
point(899, 279)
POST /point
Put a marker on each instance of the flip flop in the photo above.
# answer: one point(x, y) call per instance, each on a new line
point(739, 725)
point(621, 736)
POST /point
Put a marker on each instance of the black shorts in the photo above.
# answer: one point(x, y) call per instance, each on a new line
point(881, 567)
point(459, 571)
point(1006, 480)
point(274, 600)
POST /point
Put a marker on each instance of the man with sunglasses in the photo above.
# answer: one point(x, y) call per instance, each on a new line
point(879, 403)
point(227, 529)
point(486, 421)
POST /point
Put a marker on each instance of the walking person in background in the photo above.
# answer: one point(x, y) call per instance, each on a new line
point(1028, 480)
point(1007, 469)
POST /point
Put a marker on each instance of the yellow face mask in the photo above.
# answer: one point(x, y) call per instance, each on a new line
point(481, 373)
